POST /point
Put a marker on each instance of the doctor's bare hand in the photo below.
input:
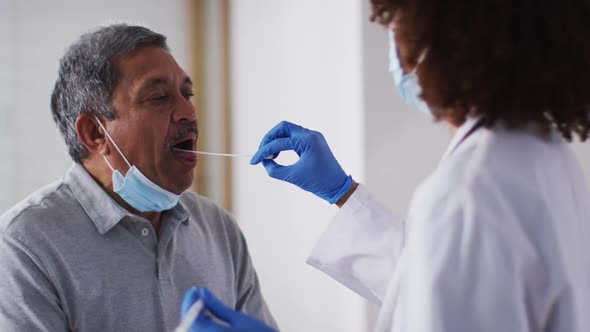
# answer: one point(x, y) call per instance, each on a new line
point(316, 171)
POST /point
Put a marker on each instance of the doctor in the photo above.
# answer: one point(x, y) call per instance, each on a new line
point(498, 237)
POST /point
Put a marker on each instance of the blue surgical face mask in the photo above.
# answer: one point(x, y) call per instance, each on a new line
point(407, 84)
point(136, 189)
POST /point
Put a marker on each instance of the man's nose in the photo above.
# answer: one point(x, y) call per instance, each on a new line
point(184, 111)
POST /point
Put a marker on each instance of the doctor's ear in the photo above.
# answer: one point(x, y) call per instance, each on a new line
point(91, 134)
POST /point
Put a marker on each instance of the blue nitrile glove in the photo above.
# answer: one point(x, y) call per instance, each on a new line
point(234, 321)
point(316, 171)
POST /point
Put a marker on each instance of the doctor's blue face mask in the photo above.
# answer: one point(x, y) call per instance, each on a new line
point(407, 83)
point(136, 189)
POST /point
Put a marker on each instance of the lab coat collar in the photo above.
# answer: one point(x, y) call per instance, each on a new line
point(462, 132)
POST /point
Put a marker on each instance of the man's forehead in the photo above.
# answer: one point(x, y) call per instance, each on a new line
point(151, 66)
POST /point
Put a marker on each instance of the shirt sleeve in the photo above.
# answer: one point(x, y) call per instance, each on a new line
point(361, 246)
point(250, 299)
point(29, 300)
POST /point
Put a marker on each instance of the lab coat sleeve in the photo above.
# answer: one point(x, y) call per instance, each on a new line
point(29, 301)
point(466, 268)
point(361, 246)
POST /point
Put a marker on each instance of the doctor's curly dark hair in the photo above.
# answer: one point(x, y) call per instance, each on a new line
point(519, 61)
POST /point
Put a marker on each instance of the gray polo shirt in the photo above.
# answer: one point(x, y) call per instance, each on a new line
point(72, 259)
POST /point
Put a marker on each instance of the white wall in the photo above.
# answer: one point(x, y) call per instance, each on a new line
point(34, 35)
point(582, 150)
point(7, 74)
point(298, 61)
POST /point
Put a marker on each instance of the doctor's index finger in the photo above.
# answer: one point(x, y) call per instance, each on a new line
point(281, 130)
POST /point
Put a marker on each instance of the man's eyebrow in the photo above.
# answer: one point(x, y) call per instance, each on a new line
point(153, 82)
point(157, 81)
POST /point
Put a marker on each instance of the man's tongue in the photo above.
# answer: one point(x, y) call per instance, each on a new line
point(175, 149)
point(184, 146)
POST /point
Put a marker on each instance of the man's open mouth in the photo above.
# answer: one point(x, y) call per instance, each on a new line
point(185, 145)
point(185, 140)
point(184, 149)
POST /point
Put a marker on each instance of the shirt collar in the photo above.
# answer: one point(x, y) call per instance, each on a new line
point(179, 212)
point(104, 212)
point(461, 134)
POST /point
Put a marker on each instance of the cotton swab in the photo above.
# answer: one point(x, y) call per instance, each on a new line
point(221, 154)
point(224, 154)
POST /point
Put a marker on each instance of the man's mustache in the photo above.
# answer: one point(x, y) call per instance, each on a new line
point(183, 132)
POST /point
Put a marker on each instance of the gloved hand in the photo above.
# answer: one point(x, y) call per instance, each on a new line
point(316, 171)
point(235, 321)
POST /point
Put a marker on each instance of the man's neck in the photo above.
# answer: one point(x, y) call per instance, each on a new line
point(153, 217)
point(104, 180)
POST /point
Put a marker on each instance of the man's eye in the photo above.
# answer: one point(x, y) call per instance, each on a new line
point(188, 95)
point(159, 98)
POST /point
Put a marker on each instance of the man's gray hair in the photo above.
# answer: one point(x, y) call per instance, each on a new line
point(87, 77)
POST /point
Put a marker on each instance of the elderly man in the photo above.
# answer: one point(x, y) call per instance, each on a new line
point(116, 242)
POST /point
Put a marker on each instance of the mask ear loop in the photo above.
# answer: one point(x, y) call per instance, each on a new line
point(393, 49)
point(108, 163)
point(420, 60)
point(115, 144)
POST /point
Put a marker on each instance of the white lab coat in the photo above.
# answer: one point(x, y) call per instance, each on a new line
point(497, 239)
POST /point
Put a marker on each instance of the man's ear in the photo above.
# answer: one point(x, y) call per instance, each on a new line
point(91, 134)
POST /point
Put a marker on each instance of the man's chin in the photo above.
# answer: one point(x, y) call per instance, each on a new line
point(181, 184)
